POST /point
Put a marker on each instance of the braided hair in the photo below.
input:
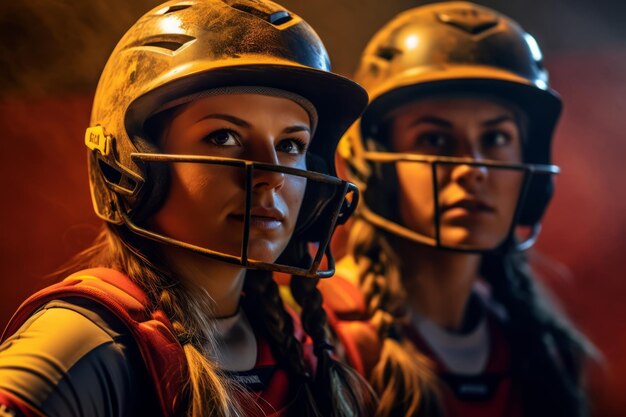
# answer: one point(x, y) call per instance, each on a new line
point(403, 378)
point(339, 390)
point(267, 313)
point(333, 390)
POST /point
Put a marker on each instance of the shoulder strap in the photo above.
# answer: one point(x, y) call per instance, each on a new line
point(152, 331)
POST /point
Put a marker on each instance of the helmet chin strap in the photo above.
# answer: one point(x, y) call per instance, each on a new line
point(388, 224)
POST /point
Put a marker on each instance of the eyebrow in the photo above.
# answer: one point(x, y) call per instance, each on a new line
point(229, 118)
point(497, 120)
point(444, 123)
point(297, 128)
point(432, 120)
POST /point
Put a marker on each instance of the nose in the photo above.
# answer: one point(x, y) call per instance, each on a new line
point(466, 175)
point(469, 176)
point(262, 178)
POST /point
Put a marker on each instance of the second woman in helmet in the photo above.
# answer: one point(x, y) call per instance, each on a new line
point(453, 157)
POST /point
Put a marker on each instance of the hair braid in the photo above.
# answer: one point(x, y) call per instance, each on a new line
point(339, 390)
point(403, 377)
point(267, 312)
point(546, 351)
point(263, 299)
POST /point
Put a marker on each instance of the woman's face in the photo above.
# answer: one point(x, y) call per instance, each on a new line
point(476, 203)
point(206, 203)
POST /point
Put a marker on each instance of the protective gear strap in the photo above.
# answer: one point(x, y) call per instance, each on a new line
point(152, 331)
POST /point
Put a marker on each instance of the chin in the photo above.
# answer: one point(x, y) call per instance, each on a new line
point(471, 239)
point(265, 251)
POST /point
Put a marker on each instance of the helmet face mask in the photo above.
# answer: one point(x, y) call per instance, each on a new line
point(181, 49)
point(458, 49)
point(441, 234)
point(332, 208)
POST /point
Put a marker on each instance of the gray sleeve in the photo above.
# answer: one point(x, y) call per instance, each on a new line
point(68, 362)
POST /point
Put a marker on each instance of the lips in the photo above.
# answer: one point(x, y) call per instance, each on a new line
point(269, 213)
point(471, 205)
point(262, 217)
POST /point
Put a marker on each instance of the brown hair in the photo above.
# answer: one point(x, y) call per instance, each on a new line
point(403, 377)
point(207, 391)
point(547, 351)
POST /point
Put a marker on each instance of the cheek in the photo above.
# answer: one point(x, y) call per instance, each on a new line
point(508, 185)
point(196, 202)
point(205, 184)
point(415, 195)
point(293, 194)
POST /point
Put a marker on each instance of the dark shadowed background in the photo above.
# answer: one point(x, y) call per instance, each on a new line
point(52, 51)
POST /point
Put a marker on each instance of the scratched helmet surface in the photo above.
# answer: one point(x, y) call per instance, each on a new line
point(183, 47)
point(458, 47)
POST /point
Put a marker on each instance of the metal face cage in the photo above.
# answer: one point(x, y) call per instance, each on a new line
point(343, 198)
point(527, 172)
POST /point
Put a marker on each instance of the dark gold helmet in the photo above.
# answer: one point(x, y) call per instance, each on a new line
point(456, 48)
point(184, 47)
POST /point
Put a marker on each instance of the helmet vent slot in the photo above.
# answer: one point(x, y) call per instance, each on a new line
point(388, 52)
point(116, 179)
point(279, 18)
point(172, 43)
point(111, 174)
point(276, 18)
point(172, 9)
point(471, 20)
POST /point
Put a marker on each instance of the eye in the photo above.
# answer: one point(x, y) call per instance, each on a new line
point(434, 139)
point(496, 139)
point(435, 142)
point(223, 137)
point(293, 146)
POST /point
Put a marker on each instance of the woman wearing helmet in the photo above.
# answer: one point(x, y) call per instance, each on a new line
point(211, 147)
point(453, 159)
